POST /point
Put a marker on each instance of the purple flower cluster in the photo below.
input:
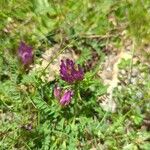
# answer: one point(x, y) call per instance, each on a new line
point(25, 54)
point(64, 97)
point(70, 72)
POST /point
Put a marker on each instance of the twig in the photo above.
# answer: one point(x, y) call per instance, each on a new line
point(108, 35)
point(97, 36)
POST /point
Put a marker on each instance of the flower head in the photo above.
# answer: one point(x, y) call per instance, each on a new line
point(66, 98)
point(70, 72)
point(25, 54)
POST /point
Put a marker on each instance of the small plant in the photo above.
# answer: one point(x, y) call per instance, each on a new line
point(72, 74)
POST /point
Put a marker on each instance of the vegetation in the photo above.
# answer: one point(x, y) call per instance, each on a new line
point(32, 116)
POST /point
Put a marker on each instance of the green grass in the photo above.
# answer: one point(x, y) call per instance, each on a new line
point(30, 116)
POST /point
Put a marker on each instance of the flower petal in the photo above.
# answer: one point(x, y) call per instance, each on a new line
point(66, 98)
point(69, 72)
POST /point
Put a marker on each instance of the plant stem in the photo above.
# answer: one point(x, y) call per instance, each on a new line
point(131, 64)
point(38, 121)
point(78, 92)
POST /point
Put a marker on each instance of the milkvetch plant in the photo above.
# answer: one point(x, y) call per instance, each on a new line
point(71, 74)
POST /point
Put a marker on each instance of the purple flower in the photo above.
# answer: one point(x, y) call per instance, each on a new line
point(25, 54)
point(57, 92)
point(70, 72)
point(66, 98)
